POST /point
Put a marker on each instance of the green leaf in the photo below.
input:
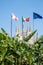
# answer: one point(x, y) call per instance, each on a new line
point(2, 37)
point(2, 63)
point(4, 31)
point(29, 37)
point(10, 58)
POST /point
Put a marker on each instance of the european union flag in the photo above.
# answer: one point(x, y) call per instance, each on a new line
point(35, 16)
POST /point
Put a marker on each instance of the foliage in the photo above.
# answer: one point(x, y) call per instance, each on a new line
point(16, 52)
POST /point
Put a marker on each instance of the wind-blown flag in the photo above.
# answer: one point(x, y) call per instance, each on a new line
point(25, 19)
point(35, 16)
point(14, 17)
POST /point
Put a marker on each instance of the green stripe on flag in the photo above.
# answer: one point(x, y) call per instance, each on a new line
point(23, 19)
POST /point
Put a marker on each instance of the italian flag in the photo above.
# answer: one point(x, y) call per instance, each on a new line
point(14, 17)
point(25, 19)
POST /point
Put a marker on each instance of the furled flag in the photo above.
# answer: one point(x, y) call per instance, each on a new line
point(25, 19)
point(35, 16)
point(14, 17)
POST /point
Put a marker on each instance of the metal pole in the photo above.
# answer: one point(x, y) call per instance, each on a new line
point(11, 25)
point(22, 28)
point(33, 24)
point(33, 30)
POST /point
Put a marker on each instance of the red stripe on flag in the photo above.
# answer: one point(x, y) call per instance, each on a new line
point(27, 19)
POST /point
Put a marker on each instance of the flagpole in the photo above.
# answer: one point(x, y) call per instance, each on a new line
point(11, 26)
point(33, 24)
point(36, 36)
point(33, 30)
point(22, 28)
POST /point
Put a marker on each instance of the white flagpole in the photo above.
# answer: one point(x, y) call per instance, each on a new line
point(22, 28)
point(33, 24)
point(11, 26)
point(33, 29)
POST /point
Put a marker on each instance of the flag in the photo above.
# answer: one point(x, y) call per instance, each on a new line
point(35, 16)
point(14, 17)
point(25, 19)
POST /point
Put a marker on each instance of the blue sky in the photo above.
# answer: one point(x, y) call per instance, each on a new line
point(21, 8)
